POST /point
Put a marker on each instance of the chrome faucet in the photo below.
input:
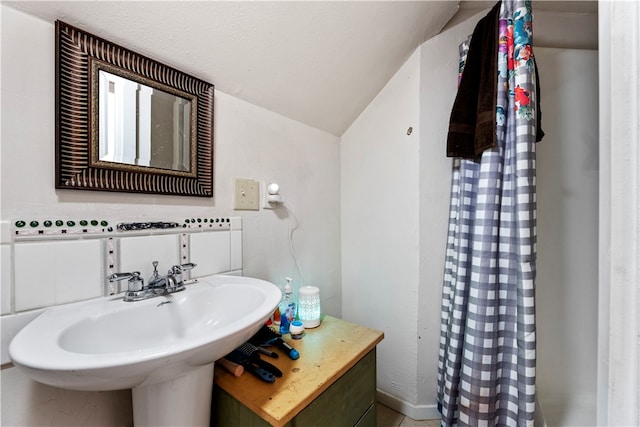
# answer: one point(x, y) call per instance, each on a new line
point(170, 283)
point(158, 285)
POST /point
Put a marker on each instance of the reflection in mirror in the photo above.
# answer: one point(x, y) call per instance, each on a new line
point(143, 126)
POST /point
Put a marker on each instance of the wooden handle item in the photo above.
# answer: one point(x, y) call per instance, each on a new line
point(234, 368)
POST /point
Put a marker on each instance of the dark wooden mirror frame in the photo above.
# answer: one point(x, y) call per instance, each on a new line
point(79, 55)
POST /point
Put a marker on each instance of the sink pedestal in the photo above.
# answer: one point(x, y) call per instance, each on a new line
point(181, 401)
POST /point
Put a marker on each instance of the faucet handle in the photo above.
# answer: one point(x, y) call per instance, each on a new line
point(154, 276)
point(115, 277)
point(135, 282)
point(184, 268)
point(188, 266)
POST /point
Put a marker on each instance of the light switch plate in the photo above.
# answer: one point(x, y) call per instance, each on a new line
point(246, 195)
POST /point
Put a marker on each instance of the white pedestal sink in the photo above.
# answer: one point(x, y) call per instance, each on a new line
point(163, 348)
point(181, 401)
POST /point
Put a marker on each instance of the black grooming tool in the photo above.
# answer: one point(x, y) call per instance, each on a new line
point(288, 350)
point(265, 336)
point(241, 358)
point(268, 352)
point(253, 353)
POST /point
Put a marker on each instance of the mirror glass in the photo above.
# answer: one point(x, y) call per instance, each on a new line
point(143, 126)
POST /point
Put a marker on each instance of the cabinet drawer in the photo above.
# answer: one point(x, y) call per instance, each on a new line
point(226, 411)
point(345, 402)
point(369, 419)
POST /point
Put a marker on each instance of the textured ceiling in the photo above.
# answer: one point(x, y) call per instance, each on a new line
point(318, 62)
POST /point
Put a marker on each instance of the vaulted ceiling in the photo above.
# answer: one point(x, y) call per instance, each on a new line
point(318, 62)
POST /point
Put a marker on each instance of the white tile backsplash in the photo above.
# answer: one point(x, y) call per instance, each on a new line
point(5, 232)
point(137, 254)
point(57, 272)
point(34, 279)
point(236, 250)
point(211, 251)
point(236, 223)
point(39, 270)
point(5, 279)
point(79, 271)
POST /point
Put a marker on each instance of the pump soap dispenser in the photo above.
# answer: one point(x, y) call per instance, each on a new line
point(287, 308)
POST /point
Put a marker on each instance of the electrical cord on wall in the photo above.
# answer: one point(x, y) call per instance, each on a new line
point(289, 207)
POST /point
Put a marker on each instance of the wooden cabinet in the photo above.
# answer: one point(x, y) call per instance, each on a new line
point(332, 384)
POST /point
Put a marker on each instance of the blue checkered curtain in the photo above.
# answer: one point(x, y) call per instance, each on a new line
point(486, 370)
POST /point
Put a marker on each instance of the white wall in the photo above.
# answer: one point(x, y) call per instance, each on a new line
point(250, 142)
point(379, 216)
point(439, 80)
point(619, 254)
point(394, 204)
point(567, 280)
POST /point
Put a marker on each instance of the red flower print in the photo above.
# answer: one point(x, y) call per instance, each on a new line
point(525, 53)
point(522, 97)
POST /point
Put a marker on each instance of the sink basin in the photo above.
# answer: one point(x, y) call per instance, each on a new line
point(167, 343)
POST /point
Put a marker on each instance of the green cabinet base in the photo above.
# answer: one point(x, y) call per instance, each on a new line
point(348, 402)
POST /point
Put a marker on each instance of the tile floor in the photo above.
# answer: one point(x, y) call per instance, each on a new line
point(387, 417)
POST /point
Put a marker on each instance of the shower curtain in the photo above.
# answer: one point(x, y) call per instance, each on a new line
point(486, 369)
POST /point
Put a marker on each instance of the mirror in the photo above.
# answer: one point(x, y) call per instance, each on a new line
point(125, 122)
point(140, 125)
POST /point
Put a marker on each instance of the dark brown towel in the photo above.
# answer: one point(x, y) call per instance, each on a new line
point(539, 131)
point(472, 126)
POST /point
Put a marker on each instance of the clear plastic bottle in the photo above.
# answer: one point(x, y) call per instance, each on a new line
point(287, 308)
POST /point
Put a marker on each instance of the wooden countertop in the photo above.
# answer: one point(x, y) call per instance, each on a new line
point(326, 353)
